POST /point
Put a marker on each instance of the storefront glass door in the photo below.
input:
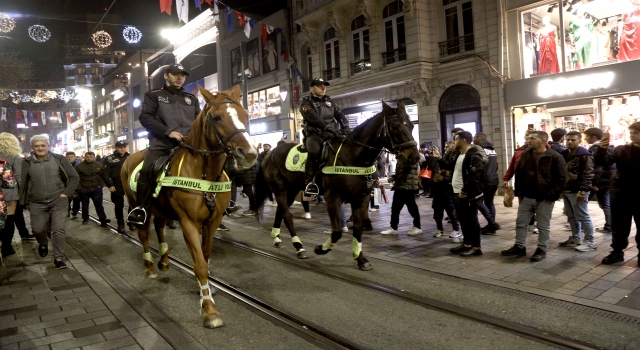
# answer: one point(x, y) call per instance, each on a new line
point(467, 120)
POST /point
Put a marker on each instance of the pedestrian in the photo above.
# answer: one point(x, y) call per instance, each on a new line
point(406, 185)
point(98, 159)
point(74, 203)
point(579, 173)
point(625, 191)
point(167, 114)
point(266, 149)
point(558, 140)
point(602, 176)
point(426, 187)
point(112, 165)
point(443, 201)
point(247, 178)
point(10, 168)
point(92, 178)
point(466, 180)
point(491, 182)
point(540, 177)
point(47, 180)
point(321, 118)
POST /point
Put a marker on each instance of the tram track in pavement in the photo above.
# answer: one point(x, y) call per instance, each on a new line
point(340, 342)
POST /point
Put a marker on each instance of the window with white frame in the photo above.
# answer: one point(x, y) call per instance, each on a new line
point(458, 18)
point(394, 34)
point(331, 55)
point(360, 40)
point(305, 86)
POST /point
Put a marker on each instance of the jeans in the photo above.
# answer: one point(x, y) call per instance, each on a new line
point(95, 194)
point(400, 198)
point(604, 202)
point(248, 190)
point(486, 206)
point(467, 211)
point(578, 216)
point(443, 202)
point(624, 208)
point(542, 210)
point(41, 213)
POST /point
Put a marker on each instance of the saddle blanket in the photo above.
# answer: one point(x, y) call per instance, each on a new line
point(180, 182)
point(296, 161)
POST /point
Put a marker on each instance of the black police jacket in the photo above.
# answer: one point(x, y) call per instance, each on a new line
point(113, 165)
point(165, 110)
point(322, 117)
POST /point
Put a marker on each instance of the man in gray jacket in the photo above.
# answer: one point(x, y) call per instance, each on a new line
point(47, 181)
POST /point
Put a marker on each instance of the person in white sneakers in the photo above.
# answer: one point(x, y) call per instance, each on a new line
point(406, 185)
point(443, 201)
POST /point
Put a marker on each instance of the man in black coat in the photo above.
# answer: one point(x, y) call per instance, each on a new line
point(602, 175)
point(92, 179)
point(112, 166)
point(491, 181)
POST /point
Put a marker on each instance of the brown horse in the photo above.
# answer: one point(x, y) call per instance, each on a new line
point(218, 131)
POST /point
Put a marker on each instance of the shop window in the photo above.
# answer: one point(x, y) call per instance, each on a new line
point(82, 70)
point(596, 33)
point(458, 18)
point(236, 65)
point(81, 80)
point(305, 84)
point(360, 41)
point(95, 70)
point(331, 55)
point(394, 35)
point(264, 103)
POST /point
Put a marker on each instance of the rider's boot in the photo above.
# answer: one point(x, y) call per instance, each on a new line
point(310, 187)
point(140, 214)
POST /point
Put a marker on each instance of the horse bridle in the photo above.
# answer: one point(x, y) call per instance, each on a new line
point(384, 131)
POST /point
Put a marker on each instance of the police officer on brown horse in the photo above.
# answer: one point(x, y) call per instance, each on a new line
point(167, 114)
point(323, 120)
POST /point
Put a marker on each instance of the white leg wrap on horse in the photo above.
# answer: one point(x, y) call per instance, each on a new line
point(205, 297)
point(296, 239)
point(164, 247)
point(276, 240)
point(147, 256)
point(328, 244)
point(356, 247)
point(275, 232)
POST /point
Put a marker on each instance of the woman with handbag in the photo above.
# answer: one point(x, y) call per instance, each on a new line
point(10, 165)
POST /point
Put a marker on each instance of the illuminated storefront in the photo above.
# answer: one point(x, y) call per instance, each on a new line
point(140, 140)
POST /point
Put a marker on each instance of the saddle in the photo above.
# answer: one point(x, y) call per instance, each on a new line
point(161, 163)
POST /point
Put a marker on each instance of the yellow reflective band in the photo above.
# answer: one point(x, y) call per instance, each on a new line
point(348, 170)
point(196, 184)
point(356, 248)
point(275, 232)
point(164, 247)
point(147, 256)
point(296, 239)
point(180, 165)
point(336, 158)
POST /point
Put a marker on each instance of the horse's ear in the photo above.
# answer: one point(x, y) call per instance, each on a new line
point(236, 92)
point(386, 107)
point(401, 104)
point(208, 96)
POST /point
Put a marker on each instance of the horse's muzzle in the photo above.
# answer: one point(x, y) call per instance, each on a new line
point(245, 158)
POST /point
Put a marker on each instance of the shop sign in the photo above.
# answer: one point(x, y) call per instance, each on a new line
point(142, 134)
point(102, 141)
point(88, 126)
point(256, 128)
point(122, 138)
point(573, 85)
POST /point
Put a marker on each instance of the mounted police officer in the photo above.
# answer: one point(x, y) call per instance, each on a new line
point(323, 120)
point(168, 114)
point(112, 165)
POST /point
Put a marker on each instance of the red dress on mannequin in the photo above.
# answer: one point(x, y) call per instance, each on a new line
point(548, 53)
point(629, 45)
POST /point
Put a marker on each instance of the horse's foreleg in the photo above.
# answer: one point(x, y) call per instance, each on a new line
point(149, 270)
point(301, 253)
point(211, 317)
point(207, 235)
point(334, 209)
point(163, 250)
point(360, 213)
point(277, 222)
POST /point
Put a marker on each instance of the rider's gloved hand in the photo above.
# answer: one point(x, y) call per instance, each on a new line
point(346, 131)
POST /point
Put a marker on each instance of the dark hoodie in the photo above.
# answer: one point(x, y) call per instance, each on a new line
point(491, 168)
point(556, 146)
point(579, 171)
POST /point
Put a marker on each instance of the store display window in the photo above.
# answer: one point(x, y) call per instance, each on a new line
point(596, 33)
point(264, 103)
point(617, 114)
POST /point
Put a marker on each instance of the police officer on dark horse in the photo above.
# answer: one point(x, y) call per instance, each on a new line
point(167, 113)
point(321, 119)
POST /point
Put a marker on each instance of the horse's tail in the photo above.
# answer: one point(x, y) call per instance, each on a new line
point(262, 191)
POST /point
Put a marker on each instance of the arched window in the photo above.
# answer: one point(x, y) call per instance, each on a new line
point(395, 44)
point(331, 55)
point(360, 40)
point(309, 69)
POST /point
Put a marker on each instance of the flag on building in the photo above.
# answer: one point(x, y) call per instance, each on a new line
point(43, 118)
point(229, 19)
point(165, 6)
point(4, 114)
point(182, 8)
point(216, 15)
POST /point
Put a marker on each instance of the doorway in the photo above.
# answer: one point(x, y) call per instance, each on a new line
point(459, 108)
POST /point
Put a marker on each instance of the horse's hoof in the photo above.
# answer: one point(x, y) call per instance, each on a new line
point(214, 321)
point(150, 274)
point(365, 266)
point(318, 250)
point(278, 245)
point(162, 266)
point(302, 255)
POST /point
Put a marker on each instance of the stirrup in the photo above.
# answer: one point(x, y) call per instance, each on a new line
point(132, 213)
point(311, 189)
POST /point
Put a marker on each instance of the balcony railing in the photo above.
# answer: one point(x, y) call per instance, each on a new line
point(330, 74)
point(456, 45)
point(363, 65)
point(394, 56)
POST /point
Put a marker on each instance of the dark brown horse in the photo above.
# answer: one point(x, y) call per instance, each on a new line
point(389, 129)
point(219, 131)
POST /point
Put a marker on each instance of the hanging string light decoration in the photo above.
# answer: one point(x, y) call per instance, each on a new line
point(51, 94)
point(6, 23)
point(3, 95)
point(40, 96)
point(36, 99)
point(132, 35)
point(39, 33)
point(16, 100)
point(65, 95)
point(25, 98)
point(101, 38)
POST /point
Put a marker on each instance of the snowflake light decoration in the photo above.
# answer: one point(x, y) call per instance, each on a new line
point(36, 99)
point(65, 95)
point(51, 94)
point(40, 96)
point(6, 23)
point(16, 100)
point(132, 35)
point(14, 93)
point(25, 98)
point(39, 33)
point(101, 38)
point(3, 95)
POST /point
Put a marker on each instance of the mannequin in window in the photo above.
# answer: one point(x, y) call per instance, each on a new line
point(548, 50)
point(581, 35)
point(629, 45)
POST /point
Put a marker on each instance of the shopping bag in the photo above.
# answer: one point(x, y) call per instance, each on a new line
point(425, 173)
point(508, 197)
point(376, 196)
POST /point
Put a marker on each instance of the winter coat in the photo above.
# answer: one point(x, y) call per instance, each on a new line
point(321, 117)
point(472, 171)
point(452, 154)
point(246, 176)
point(550, 174)
point(556, 146)
point(13, 164)
point(56, 177)
point(491, 168)
point(627, 161)
point(113, 166)
point(406, 176)
point(92, 175)
point(514, 163)
point(579, 170)
point(602, 175)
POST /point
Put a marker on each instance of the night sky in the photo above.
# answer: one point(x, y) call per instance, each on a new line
point(145, 15)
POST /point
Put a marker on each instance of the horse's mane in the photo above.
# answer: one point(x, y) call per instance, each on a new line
point(358, 130)
point(197, 135)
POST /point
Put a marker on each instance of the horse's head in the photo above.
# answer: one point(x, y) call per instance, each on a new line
point(396, 132)
point(225, 125)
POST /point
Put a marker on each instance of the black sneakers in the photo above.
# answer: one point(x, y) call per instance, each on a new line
point(222, 227)
point(43, 250)
point(59, 264)
point(104, 222)
point(516, 250)
point(538, 255)
point(613, 258)
point(490, 229)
